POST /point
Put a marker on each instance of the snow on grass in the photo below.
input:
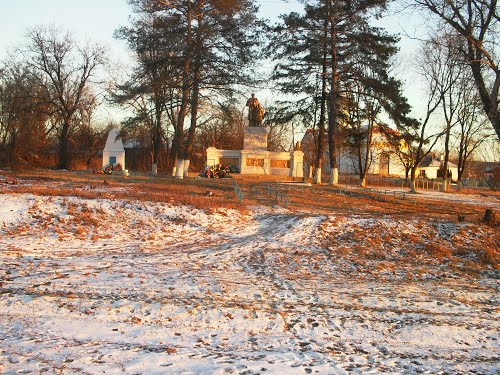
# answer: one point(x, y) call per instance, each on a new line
point(115, 286)
point(12, 209)
point(492, 201)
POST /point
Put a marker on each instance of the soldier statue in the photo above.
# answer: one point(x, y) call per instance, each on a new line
point(255, 111)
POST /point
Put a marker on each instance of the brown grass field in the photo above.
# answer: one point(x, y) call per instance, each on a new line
point(211, 194)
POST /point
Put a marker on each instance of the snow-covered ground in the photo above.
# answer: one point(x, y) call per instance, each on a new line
point(90, 286)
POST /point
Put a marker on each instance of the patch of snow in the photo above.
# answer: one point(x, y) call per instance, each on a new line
point(93, 286)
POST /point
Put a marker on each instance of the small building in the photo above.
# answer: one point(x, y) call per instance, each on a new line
point(113, 152)
point(430, 166)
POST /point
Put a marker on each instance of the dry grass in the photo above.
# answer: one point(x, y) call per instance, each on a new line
point(191, 192)
point(374, 243)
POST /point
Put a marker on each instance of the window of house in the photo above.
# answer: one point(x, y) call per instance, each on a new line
point(112, 160)
point(422, 174)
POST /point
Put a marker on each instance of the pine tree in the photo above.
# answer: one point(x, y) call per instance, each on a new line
point(152, 90)
point(336, 39)
point(214, 46)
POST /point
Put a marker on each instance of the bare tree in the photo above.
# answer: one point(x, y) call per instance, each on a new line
point(422, 143)
point(414, 142)
point(443, 65)
point(88, 138)
point(151, 93)
point(470, 134)
point(23, 131)
point(62, 70)
point(477, 23)
point(363, 111)
point(223, 127)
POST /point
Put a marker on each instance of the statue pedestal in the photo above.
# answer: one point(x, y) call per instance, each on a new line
point(255, 138)
point(254, 156)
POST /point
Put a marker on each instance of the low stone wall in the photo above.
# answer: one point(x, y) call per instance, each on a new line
point(259, 162)
point(254, 159)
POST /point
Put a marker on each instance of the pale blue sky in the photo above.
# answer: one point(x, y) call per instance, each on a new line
point(86, 19)
point(93, 20)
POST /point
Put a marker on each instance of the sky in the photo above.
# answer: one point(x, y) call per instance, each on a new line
point(96, 20)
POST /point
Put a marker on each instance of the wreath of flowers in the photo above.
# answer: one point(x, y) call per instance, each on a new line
point(109, 169)
point(220, 170)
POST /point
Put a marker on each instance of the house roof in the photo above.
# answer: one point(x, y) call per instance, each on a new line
point(430, 161)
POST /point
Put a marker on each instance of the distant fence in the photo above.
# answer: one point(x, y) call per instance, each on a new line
point(420, 183)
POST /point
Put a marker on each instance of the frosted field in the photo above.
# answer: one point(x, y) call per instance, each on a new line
point(92, 286)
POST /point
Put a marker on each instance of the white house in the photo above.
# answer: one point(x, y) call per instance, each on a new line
point(383, 159)
point(430, 166)
point(113, 153)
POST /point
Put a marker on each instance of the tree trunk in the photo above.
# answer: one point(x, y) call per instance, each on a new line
point(489, 100)
point(446, 180)
point(179, 169)
point(334, 170)
point(495, 121)
point(194, 101)
point(12, 157)
point(333, 107)
point(174, 162)
point(187, 163)
point(317, 175)
point(412, 180)
point(179, 138)
point(362, 181)
point(334, 176)
point(64, 146)
point(156, 141)
point(321, 124)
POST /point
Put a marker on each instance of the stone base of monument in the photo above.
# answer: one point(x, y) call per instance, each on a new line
point(254, 159)
point(255, 138)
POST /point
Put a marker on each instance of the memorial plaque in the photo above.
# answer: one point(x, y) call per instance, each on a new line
point(255, 162)
point(280, 163)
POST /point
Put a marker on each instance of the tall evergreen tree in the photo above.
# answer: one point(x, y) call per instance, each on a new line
point(336, 39)
point(214, 46)
point(152, 91)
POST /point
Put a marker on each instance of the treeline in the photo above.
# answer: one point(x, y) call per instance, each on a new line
point(198, 60)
